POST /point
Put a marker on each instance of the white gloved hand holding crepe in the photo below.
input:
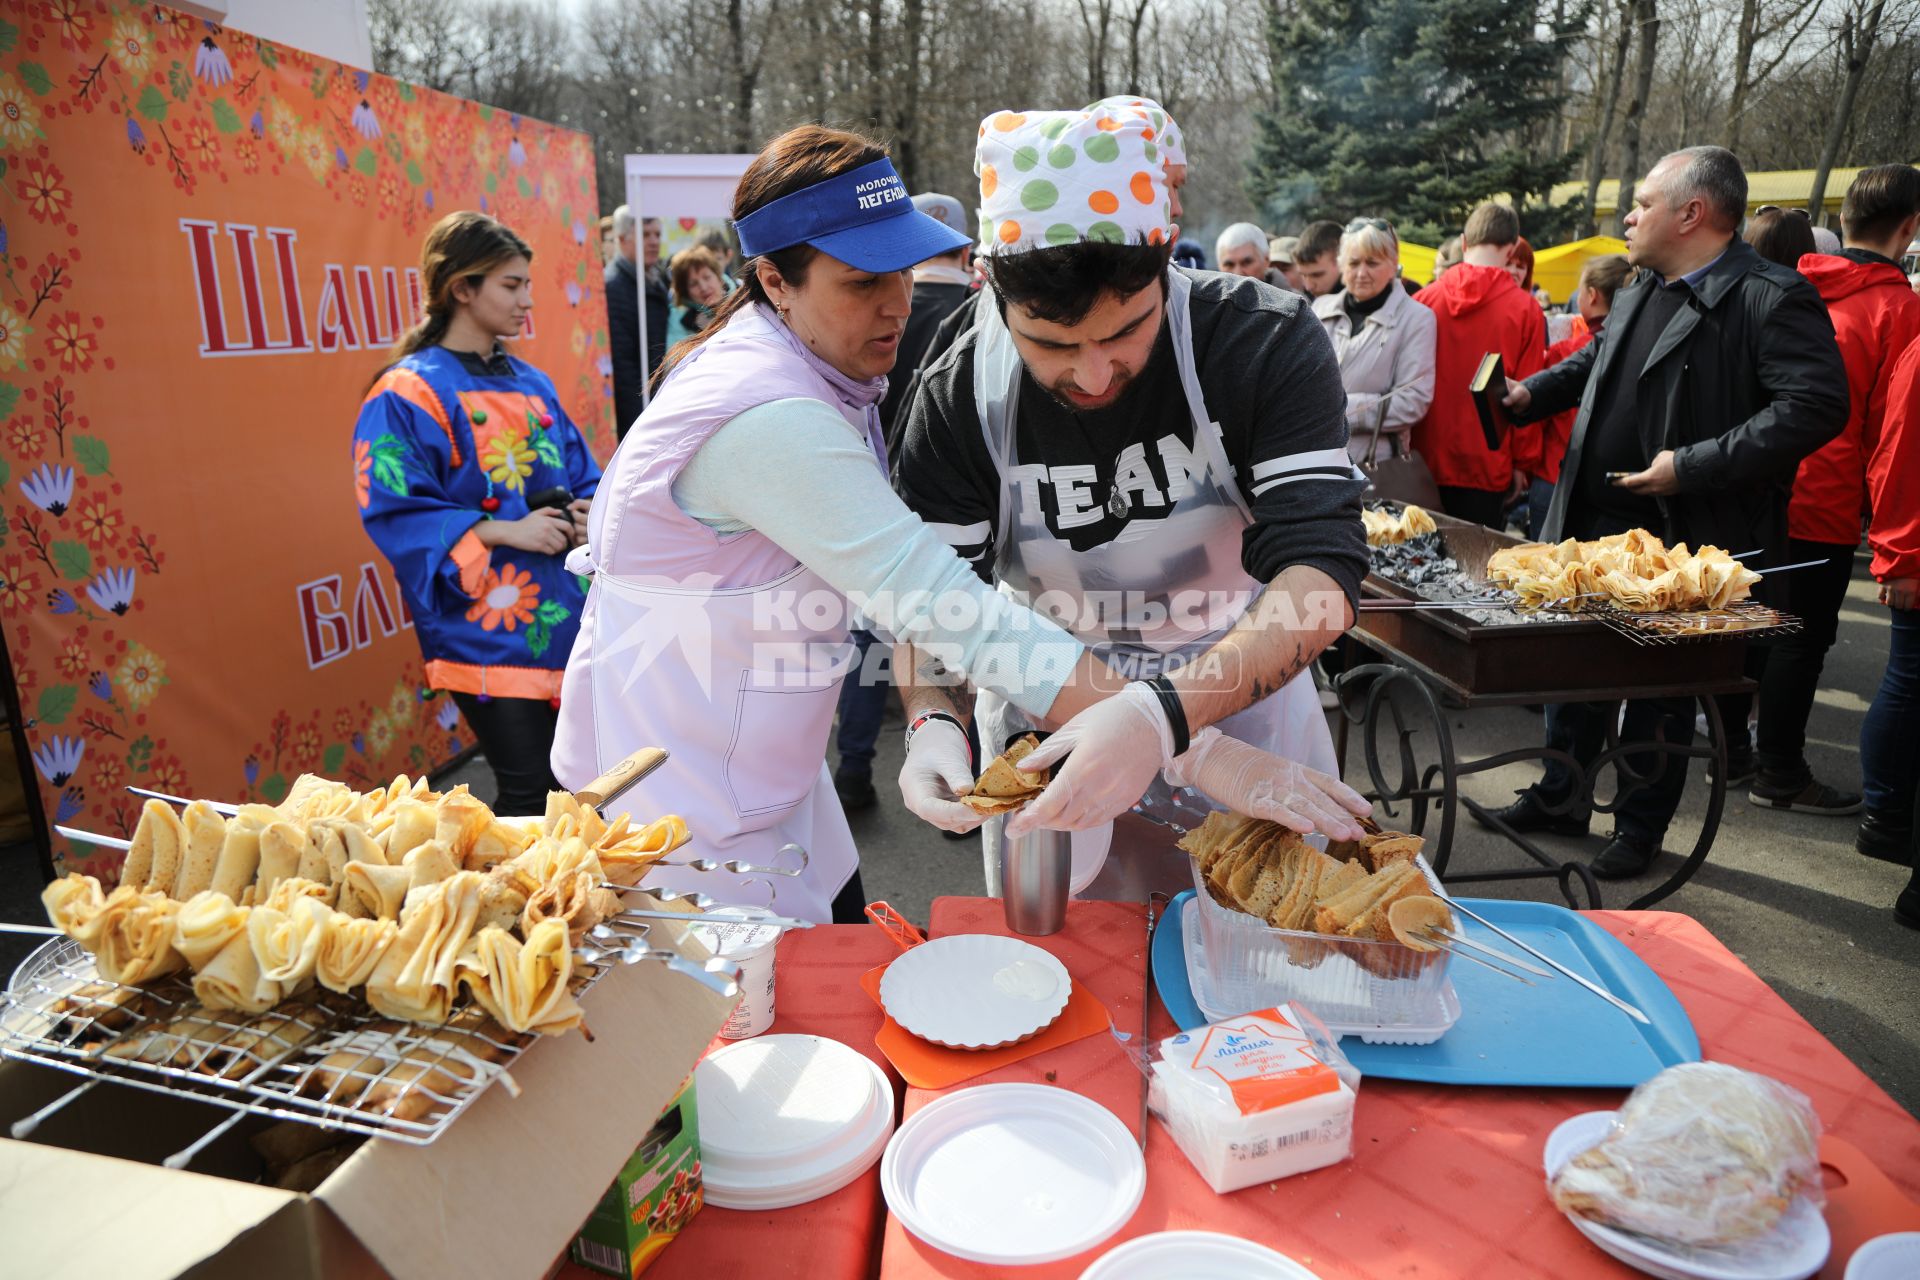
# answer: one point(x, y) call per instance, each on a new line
point(938, 768)
point(1118, 746)
point(1260, 784)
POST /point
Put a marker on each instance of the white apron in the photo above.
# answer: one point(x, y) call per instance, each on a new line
point(767, 701)
point(1176, 582)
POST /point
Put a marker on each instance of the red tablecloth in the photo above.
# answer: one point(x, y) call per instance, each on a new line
point(1444, 1181)
point(816, 992)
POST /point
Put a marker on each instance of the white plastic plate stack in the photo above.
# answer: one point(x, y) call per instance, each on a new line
point(788, 1119)
point(1194, 1255)
point(1796, 1248)
point(1010, 1174)
point(975, 990)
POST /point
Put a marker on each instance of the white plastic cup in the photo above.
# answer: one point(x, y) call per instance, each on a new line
point(751, 947)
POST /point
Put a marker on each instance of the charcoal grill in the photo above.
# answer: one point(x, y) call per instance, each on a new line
point(1433, 662)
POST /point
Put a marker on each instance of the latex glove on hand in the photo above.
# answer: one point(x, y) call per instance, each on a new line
point(1118, 746)
point(1262, 785)
point(939, 767)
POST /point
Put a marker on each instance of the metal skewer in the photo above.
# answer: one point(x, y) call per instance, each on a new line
point(1448, 943)
point(1557, 967)
point(218, 806)
point(1782, 568)
point(740, 868)
point(1502, 956)
point(87, 837)
point(27, 1124)
point(710, 917)
point(37, 930)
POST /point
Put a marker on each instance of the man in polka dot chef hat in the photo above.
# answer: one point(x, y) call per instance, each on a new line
point(1154, 456)
point(1060, 177)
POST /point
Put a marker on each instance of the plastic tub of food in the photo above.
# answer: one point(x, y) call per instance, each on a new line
point(1349, 983)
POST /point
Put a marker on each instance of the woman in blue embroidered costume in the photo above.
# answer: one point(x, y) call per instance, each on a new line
point(474, 484)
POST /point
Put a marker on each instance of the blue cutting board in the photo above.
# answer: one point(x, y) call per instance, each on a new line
point(1552, 1033)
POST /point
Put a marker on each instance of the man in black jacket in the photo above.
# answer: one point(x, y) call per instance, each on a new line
point(630, 373)
point(1716, 374)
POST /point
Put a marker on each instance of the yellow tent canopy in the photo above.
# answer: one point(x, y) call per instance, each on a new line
point(1557, 270)
point(1416, 262)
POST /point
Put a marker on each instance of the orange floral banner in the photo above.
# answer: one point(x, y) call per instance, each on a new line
point(209, 241)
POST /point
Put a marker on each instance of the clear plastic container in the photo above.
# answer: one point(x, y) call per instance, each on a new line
point(1347, 982)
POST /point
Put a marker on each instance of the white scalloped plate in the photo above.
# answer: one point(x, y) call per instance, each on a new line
point(975, 990)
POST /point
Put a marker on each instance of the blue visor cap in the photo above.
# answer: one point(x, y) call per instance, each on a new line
point(863, 217)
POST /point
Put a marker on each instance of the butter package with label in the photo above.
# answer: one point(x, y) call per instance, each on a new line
point(1255, 1098)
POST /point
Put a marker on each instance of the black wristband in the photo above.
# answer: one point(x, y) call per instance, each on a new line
point(1176, 714)
point(953, 720)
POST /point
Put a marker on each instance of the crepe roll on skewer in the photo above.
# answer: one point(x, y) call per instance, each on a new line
point(524, 985)
point(231, 980)
point(282, 847)
point(136, 940)
point(206, 832)
point(496, 842)
point(159, 843)
point(430, 864)
point(350, 950)
point(502, 903)
point(377, 891)
point(461, 818)
point(73, 903)
point(287, 943)
point(205, 924)
point(415, 979)
point(294, 888)
point(239, 862)
point(412, 826)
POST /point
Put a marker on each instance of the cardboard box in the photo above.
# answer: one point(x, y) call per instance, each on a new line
point(651, 1201)
point(500, 1193)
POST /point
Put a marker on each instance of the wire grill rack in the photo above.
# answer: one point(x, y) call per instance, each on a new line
point(1744, 619)
point(324, 1059)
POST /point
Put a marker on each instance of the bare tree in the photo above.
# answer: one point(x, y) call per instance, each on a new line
point(1759, 26)
point(1610, 102)
point(1857, 32)
point(1646, 22)
point(1096, 22)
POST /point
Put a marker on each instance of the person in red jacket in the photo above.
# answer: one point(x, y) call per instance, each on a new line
point(1889, 763)
point(1600, 279)
point(1479, 309)
point(1875, 317)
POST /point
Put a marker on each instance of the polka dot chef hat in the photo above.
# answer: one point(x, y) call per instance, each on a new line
point(1060, 177)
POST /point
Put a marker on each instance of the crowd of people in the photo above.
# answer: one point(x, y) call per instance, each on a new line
point(893, 402)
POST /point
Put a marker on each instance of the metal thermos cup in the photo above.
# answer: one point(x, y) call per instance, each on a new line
point(1036, 873)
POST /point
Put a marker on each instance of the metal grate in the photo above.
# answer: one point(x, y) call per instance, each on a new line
point(324, 1059)
point(1745, 619)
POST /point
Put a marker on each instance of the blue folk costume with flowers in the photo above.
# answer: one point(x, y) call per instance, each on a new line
point(444, 440)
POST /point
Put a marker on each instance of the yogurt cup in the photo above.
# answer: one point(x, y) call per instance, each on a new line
point(751, 947)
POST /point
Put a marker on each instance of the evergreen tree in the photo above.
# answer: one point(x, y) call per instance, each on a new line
point(1411, 110)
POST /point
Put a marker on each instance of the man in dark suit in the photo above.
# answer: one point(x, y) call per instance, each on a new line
point(630, 372)
point(1716, 374)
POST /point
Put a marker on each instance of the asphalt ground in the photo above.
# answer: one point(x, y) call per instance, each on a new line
point(1786, 892)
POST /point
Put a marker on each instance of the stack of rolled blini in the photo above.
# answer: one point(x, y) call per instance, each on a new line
point(407, 899)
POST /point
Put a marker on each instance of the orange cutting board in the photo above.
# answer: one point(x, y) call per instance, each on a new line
point(929, 1066)
point(1862, 1203)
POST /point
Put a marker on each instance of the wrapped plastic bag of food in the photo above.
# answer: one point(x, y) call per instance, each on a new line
point(1704, 1155)
point(1254, 1098)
